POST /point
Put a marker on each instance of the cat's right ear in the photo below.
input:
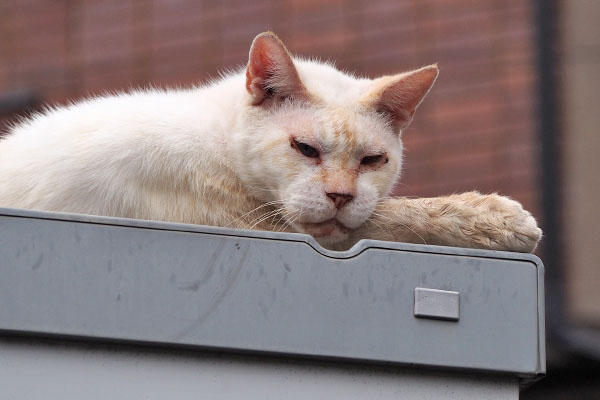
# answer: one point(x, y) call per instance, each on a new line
point(271, 73)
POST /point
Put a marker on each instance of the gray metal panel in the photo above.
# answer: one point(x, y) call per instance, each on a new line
point(218, 288)
point(36, 370)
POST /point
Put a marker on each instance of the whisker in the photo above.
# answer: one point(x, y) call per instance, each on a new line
point(264, 217)
point(400, 223)
point(382, 227)
point(284, 218)
point(287, 221)
point(293, 219)
point(270, 203)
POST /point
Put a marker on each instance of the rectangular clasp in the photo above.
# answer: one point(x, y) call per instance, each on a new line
point(436, 304)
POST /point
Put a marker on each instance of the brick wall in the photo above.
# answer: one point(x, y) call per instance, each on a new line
point(476, 130)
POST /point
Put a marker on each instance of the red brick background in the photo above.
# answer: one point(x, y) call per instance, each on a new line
point(476, 130)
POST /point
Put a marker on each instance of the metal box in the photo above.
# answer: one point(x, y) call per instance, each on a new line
point(263, 297)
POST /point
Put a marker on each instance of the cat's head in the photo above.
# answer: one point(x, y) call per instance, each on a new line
point(324, 146)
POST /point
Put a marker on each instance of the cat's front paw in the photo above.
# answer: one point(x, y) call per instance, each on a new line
point(518, 230)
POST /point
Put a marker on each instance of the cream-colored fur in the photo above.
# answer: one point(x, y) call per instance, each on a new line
point(240, 152)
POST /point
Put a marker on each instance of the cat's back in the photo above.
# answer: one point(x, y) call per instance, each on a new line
point(118, 114)
point(85, 157)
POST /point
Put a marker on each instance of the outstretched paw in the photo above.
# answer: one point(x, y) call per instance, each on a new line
point(518, 229)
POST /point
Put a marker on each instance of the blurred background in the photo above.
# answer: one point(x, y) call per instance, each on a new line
point(515, 109)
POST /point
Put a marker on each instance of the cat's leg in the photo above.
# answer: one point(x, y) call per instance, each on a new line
point(462, 220)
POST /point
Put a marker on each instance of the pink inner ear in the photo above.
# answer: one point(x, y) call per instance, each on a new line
point(271, 69)
point(400, 95)
point(259, 62)
point(256, 72)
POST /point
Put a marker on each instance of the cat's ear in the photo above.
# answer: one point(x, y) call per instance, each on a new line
point(398, 96)
point(271, 72)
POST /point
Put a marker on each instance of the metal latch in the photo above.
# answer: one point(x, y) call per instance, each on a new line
point(436, 304)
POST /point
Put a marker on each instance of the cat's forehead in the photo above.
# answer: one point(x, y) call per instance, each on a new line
point(337, 120)
point(351, 129)
point(337, 128)
point(330, 85)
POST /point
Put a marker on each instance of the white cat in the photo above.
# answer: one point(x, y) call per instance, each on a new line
point(287, 144)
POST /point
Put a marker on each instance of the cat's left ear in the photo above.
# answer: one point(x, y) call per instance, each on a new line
point(271, 73)
point(398, 96)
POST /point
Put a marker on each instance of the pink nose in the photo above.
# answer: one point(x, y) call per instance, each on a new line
point(340, 199)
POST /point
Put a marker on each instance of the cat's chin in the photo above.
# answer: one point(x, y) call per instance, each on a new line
point(327, 232)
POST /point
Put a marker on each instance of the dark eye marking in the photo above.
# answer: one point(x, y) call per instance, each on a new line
point(306, 150)
point(373, 160)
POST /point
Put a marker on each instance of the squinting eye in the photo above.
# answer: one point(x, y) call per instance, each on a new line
point(372, 160)
point(306, 150)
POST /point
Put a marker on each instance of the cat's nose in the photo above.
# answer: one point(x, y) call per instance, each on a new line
point(340, 199)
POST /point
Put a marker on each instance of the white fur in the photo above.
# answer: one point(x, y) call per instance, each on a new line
point(170, 155)
point(209, 155)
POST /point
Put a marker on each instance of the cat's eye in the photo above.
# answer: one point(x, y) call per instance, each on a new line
point(306, 150)
point(372, 160)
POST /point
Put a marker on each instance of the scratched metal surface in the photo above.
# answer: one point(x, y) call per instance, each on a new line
point(141, 281)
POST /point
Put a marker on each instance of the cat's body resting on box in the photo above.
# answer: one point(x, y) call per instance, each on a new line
point(285, 145)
